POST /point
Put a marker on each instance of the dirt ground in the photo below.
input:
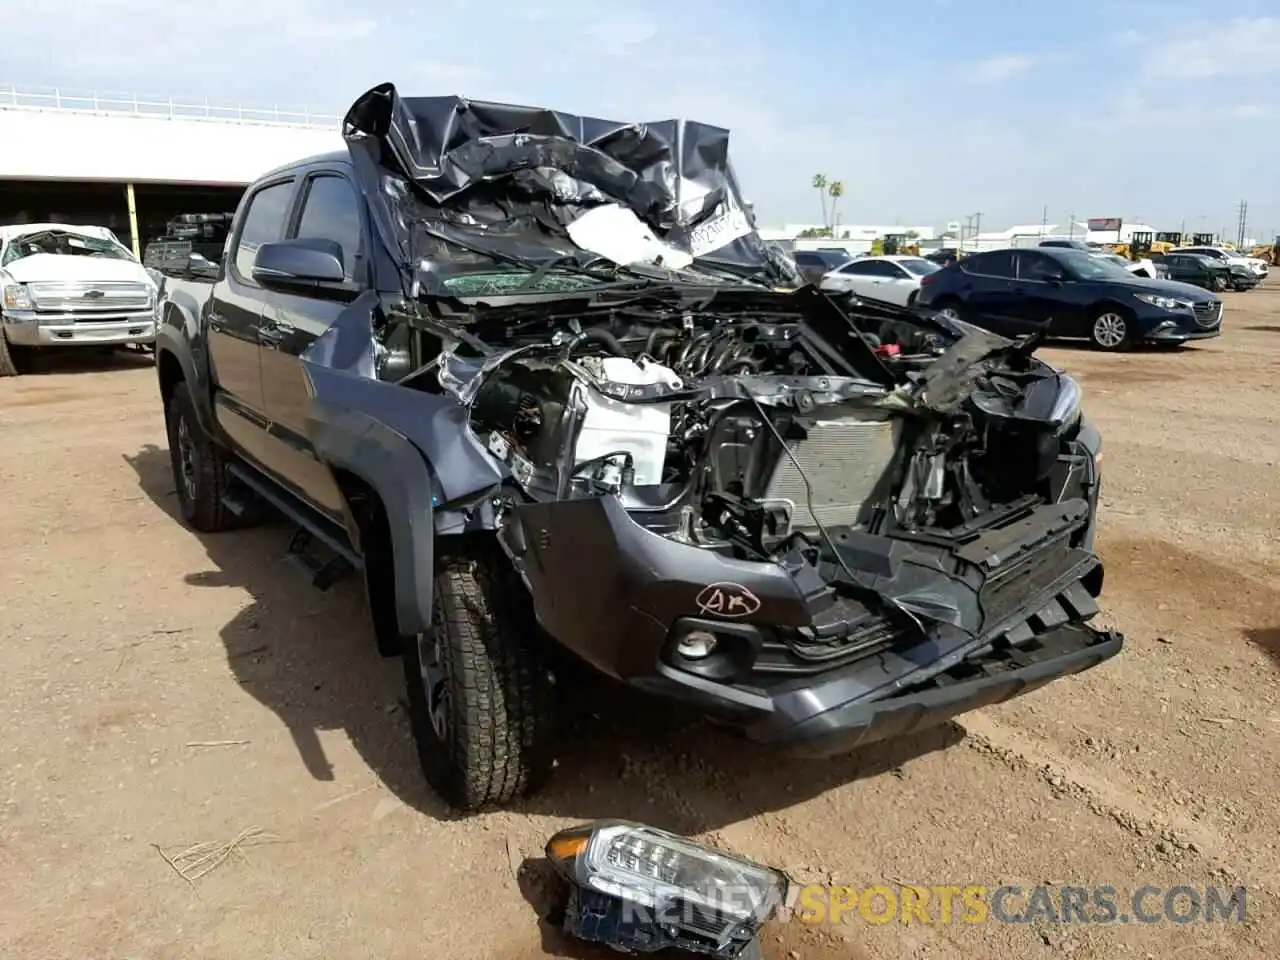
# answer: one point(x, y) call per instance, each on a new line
point(127, 642)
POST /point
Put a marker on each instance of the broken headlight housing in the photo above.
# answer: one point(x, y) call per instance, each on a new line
point(639, 889)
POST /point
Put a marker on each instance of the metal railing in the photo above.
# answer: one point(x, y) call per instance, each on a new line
point(101, 103)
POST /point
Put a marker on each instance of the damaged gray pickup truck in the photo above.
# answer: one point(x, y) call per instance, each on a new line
point(539, 380)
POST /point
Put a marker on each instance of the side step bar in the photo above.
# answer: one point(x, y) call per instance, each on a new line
point(248, 484)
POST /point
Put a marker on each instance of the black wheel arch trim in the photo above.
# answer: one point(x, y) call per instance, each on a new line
point(399, 474)
point(172, 342)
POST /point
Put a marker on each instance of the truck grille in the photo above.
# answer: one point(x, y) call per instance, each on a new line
point(91, 297)
point(844, 461)
point(1208, 315)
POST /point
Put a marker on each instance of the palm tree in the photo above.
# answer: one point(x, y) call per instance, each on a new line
point(820, 184)
point(836, 189)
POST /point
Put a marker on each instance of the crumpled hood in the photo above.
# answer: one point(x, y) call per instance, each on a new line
point(504, 172)
point(60, 267)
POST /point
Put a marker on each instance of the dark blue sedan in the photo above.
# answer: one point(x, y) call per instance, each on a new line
point(1073, 295)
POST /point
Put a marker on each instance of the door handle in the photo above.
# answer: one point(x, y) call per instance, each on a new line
point(273, 333)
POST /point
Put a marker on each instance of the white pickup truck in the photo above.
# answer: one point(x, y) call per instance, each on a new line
point(70, 286)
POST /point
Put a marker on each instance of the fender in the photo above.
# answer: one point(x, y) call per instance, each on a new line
point(179, 334)
point(398, 473)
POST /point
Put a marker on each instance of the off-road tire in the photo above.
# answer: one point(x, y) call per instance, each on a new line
point(11, 358)
point(201, 506)
point(499, 706)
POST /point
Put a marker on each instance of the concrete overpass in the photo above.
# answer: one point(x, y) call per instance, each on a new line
point(134, 161)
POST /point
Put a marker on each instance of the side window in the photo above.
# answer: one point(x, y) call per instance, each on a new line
point(893, 271)
point(809, 260)
point(859, 268)
point(331, 211)
point(998, 263)
point(1036, 266)
point(263, 223)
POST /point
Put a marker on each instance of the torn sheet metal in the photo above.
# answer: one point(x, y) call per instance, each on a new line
point(514, 177)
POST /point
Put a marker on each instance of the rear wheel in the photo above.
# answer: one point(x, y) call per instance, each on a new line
point(951, 309)
point(1110, 330)
point(481, 700)
point(199, 466)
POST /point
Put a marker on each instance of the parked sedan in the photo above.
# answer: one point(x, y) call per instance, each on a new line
point(891, 279)
point(1069, 293)
point(1242, 262)
point(1193, 268)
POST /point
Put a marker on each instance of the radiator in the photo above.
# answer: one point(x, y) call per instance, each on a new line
point(844, 461)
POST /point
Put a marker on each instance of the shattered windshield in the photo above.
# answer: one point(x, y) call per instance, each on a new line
point(460, 260)
point(62, 243)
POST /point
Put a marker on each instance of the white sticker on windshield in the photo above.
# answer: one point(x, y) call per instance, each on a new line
point(718, 232)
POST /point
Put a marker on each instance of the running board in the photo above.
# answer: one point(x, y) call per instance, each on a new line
point(311, 527)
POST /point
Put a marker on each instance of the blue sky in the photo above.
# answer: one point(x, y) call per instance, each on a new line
point(928, 111)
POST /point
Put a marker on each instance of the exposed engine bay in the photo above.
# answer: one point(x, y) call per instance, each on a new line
point(748, 432)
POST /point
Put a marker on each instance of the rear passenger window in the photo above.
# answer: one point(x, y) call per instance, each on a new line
point(263, 223)
point(332, 212)
point(998, 263)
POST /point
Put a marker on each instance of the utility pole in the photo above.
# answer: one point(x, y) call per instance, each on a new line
point(1244, 221)
point(1071, 227)
point(1044, 220)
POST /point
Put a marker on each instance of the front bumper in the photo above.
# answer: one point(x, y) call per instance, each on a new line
point(819, 722)
point(27, 328)
point(1001, 615)
point(1182, 335)
point(1180, 326)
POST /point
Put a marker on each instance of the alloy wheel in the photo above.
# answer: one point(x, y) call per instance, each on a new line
point(1109, 330)
point(950, 313)
point(435, 681)
point(186, 458)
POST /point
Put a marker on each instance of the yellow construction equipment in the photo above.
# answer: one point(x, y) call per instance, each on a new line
point(1140, 246)
point(899, 244)
point(1269, 252)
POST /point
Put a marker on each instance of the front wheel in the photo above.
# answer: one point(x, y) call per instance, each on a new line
point(12, 359)
point(1110, 330)
point(481, 699)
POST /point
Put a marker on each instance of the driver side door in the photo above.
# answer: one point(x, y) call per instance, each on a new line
point(330, 209)
point(1046, 300)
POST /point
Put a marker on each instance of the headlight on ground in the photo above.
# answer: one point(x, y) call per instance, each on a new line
point(640, 889)
point(1164, 303)
point(17, 297)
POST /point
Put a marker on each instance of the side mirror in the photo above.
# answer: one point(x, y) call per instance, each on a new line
point(299, 263)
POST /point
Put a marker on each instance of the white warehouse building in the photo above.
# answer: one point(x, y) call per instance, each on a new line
point(131, 164)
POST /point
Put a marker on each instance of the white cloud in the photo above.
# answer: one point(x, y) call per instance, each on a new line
point(1239, 48)
point(996, 69)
